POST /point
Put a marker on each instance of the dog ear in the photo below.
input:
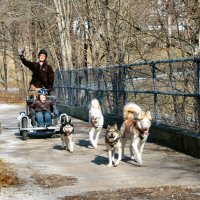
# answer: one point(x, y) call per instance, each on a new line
point(138, 116)
point(108, 127)
point(63, 119)
point(70, 120)
point(148, 113)
point(115, 125)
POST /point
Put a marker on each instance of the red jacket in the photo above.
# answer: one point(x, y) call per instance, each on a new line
point(43, 76)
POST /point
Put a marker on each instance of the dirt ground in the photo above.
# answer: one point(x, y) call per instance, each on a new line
point(8, 178)
point(40, 169)
point(158, 193)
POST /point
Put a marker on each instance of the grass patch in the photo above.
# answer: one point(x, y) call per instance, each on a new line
point(8, 177)
point(53, 181)
point(11, 97)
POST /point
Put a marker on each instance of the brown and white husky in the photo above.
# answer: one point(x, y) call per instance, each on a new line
point(136, 128)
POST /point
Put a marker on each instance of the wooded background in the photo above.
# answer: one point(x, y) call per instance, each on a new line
point(93, 33)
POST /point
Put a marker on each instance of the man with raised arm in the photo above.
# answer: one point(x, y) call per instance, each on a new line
point(42, 72)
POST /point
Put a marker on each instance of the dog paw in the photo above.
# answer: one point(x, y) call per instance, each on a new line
point(64, 148)
point(94, 145)
point(115, 164)
point(132, 157)
point(109, 165)
point(117, 161)
point(139, 162)
point(70, 150)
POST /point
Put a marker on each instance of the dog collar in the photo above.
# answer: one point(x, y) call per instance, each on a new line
point(66, 134)
point(96, 126)
point(141, 132)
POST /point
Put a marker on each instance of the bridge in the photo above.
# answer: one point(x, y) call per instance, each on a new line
point(170, 89)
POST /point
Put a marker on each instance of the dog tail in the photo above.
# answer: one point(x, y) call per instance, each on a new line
point(131, 111)
point(95, 104)
point(64, 118)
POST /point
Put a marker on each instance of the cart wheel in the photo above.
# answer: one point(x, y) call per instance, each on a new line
point(24, 135)
point(24, 125)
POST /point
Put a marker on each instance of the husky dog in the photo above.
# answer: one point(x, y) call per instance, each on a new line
point(67, 131)
point(96, 121)
point(135, 127)
point(113, 144)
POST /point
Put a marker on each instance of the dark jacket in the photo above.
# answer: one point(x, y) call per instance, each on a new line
point(43, 76)
point(48, 106)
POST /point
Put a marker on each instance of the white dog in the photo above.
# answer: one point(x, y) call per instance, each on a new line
point(135, 127)
point(96, 121)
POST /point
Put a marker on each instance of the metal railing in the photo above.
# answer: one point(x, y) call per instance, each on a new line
point(170, 89)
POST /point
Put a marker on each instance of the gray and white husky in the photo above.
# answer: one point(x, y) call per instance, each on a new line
point(67, 132)
point(113, 144)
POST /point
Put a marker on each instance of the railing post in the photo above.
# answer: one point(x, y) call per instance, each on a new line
point(124, 77)
point(121, 88)
point(70, 87)
point(198, 76)
point(0, 128)
point(101, 95)
point(155, 92)
point(87, 87)
point(198, 89)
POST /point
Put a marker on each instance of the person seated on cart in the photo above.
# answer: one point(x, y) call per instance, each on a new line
point(43, 108)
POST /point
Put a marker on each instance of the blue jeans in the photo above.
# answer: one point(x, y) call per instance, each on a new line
point(43, 118)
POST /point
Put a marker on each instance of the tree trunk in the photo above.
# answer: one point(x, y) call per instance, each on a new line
point(33, 33)
point(5, 69)
point(63, 22)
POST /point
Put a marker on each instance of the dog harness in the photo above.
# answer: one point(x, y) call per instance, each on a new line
point(141, 131)
point(66, 133)
point(98, 126)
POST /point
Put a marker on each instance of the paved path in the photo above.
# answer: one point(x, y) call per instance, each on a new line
point(162, 166)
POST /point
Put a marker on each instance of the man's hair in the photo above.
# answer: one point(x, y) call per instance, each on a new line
point(42, 51)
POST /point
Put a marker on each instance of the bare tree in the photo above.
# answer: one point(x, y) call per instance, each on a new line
point(63, 10)
point(4, 71)
point(82, 33)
